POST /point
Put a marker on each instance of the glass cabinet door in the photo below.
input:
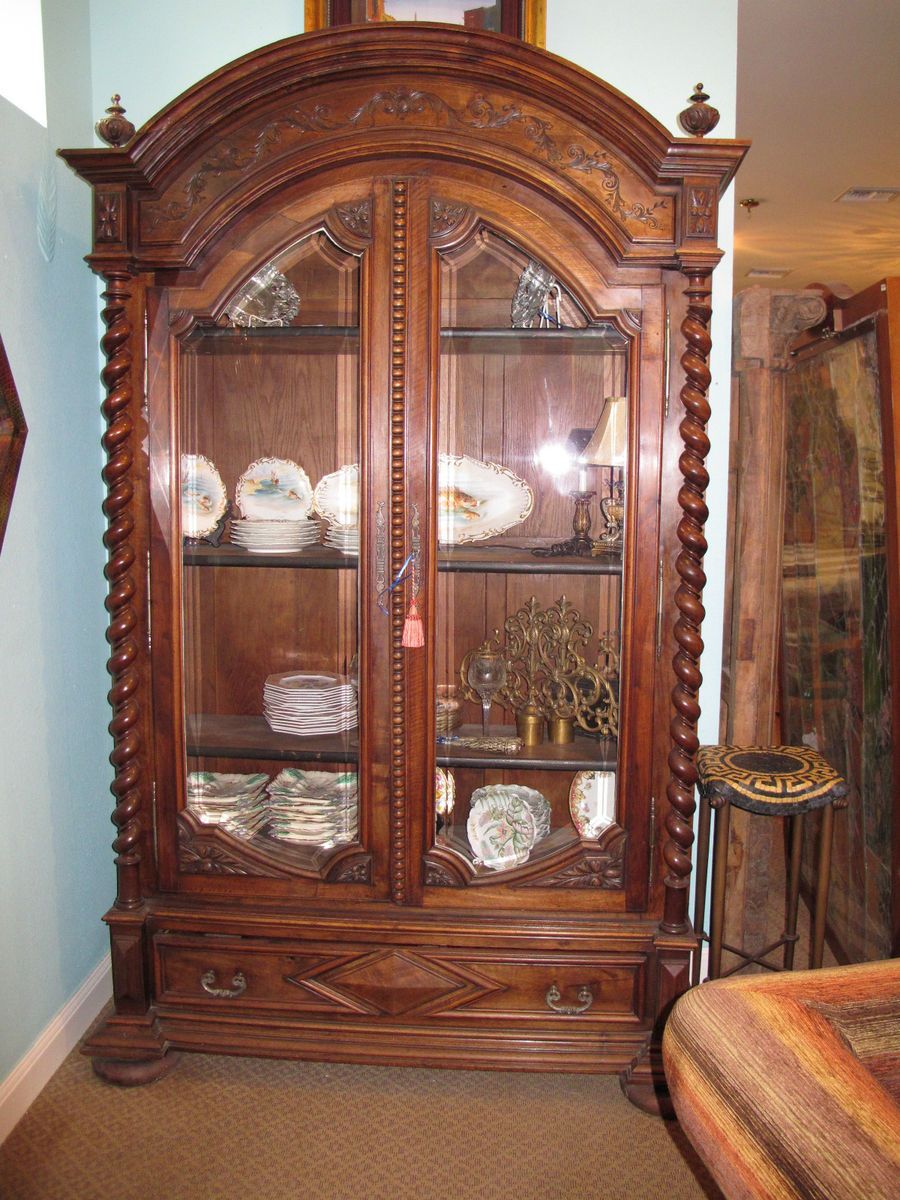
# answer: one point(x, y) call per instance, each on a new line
point(532, 448)
point(269, 403)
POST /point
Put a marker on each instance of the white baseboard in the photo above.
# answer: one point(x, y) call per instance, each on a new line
point(24, 1083)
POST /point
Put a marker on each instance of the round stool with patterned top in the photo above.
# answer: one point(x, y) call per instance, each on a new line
point(782, 781)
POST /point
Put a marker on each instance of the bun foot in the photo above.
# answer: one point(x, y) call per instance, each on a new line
point(135, 1073)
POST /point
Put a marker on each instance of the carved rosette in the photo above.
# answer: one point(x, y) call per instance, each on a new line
point(688, 600)
point(446, 216)
point(356, 217)
point(119, 539)
point(399, 253)
point(601, 868)
point(199, 857)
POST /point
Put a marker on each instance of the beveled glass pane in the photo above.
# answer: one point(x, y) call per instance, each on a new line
point(532, 434)
point(269, 438)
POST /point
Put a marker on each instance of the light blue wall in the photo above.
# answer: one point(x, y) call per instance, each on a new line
point(56, 873)
point(54, 778)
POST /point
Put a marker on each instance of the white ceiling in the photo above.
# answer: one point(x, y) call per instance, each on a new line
point(819, 95)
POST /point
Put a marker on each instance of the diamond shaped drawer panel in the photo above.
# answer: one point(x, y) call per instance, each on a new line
point(398, 983)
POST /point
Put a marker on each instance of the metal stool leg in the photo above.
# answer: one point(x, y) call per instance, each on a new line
point(720, 867)
point(793, 904)
point(702, 867)
point(824, 878)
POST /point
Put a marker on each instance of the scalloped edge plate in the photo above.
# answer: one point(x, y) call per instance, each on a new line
point(273, 489)
point(592, 802)
point(477, 500)
point(203, 496)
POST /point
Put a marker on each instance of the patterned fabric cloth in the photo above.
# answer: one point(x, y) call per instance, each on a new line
point(774, 780)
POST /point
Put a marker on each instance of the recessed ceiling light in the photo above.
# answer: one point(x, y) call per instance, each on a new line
point(868, 195)
point(768, 272)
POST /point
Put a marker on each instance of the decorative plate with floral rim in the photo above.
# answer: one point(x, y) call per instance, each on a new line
point(501, 830)
point(203, 496)
point(444, 791)
point(336, 497)
point(592, 802)
point(478, 500)
point(274, 489)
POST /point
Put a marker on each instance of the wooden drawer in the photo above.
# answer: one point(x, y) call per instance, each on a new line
point(398, 983)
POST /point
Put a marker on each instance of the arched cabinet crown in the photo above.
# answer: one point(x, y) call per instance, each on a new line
point(389, 253)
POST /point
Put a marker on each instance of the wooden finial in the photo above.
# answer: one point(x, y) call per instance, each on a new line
point(701, 117)
point(114, 128)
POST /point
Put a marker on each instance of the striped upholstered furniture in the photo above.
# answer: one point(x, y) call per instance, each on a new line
point(788, 1085)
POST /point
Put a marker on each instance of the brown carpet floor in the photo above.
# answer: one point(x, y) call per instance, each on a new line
point(220, 1128)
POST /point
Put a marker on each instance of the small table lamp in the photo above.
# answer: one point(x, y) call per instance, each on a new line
point(607, 448)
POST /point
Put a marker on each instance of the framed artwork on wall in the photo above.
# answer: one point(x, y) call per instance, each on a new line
point(526, 19)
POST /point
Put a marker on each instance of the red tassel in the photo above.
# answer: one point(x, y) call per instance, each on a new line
point(413, 629)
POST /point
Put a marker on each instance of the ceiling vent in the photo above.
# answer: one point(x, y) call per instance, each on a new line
point(868, 195)
point(768, 272)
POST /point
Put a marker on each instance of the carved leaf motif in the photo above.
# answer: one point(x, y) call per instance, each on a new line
point(357, 872)
point(597, 869)
point(198, 858)
point(357, 217)
point(701, 206)
point(437, 875)
point(445, 216)
point(107, 217)
point(402, 104)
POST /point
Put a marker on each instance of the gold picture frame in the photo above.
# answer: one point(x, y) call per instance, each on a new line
point(325, 14)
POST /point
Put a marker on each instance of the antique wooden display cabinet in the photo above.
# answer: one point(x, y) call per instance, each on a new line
point(407, 342)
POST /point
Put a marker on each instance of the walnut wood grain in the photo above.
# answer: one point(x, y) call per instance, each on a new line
point(400, 179)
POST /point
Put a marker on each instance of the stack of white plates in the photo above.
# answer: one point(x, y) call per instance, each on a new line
point(234, 802)
point(343, 537)
point(274, 537)
point(310, 705)
point(318, 808)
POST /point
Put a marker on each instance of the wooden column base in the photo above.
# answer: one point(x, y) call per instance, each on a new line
point(644, 1082)
point(130, 1073)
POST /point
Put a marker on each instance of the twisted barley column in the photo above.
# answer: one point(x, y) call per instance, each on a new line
point(117, 442)
point(399, 250)
point(688, 599)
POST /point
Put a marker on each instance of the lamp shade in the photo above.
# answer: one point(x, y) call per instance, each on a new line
point(610, 438)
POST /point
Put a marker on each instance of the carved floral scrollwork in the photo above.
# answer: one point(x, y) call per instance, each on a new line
point(445, 216)
point(404, 105)
point(603, 868)
point(356, 217)
point(203, 858)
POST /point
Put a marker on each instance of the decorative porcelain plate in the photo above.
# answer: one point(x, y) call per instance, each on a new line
point(592, 802)
point(203, 496)
point(336, 497)
point(478, 500)
point(501, 831)
point(507, 792)
point(274, 489)
point(444, 791)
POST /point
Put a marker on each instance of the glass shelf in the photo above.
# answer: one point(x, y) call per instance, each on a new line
point(213, 736)
point(583, 754)
point(506, 559)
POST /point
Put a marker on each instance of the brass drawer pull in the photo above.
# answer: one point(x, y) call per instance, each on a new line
point(238, 985)
point(585, 1000)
